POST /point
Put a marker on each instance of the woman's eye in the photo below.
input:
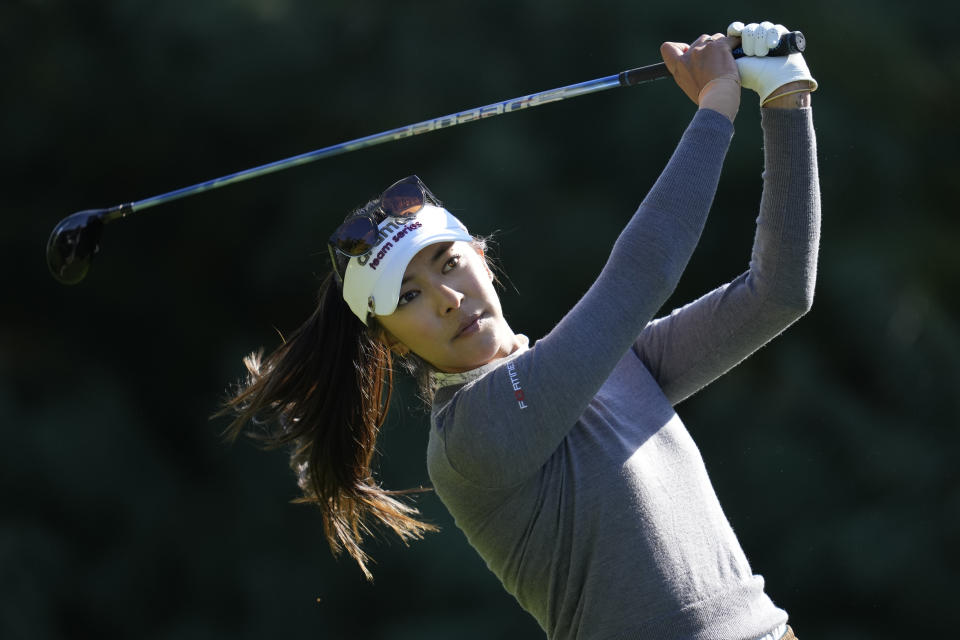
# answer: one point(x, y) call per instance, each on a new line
point(407, 297)
point(452, 263)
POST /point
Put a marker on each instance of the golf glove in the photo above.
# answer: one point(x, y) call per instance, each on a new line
point(765, 74)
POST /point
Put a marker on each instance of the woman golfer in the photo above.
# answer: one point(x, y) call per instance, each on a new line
point(563, 461)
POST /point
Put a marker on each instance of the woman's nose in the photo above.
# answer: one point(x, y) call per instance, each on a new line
point(449, 299)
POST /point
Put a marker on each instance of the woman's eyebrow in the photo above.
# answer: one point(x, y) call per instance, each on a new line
point(442, 250)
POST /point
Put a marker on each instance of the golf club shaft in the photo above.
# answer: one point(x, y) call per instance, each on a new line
point(443, 122)
point(789, 43)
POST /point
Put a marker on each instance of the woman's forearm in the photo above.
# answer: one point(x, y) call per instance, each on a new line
point(697, 343)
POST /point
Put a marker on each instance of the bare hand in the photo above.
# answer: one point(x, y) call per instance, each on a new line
point(707, 61)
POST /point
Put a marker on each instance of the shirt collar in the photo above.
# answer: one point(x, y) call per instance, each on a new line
point(438, 379)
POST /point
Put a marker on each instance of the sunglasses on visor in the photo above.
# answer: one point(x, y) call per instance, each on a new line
point(358, 235)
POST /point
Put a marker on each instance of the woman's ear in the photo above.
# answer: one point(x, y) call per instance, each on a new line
point(387, 340)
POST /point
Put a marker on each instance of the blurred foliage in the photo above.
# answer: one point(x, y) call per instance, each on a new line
point(124, 515)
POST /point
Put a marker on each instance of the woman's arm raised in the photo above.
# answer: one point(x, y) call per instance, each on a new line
point(487, 436)
point(700, 342)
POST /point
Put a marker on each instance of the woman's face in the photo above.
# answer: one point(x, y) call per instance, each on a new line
point(449, 313)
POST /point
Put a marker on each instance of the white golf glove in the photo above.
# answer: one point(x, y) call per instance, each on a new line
point(765, 74)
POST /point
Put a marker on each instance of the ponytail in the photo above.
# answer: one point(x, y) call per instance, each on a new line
point(325, 393)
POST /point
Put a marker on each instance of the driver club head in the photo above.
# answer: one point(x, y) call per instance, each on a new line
point(73, 243)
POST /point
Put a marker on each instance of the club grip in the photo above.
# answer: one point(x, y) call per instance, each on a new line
point(790, 42)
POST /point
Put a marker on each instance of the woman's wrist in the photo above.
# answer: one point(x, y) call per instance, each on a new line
point(793, 95)
point(721, 94)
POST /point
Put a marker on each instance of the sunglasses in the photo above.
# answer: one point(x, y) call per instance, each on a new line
point(357, 236)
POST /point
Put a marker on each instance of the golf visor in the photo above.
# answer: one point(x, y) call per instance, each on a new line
point(371, 282)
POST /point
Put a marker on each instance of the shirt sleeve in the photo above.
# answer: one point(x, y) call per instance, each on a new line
point(499, 429)
point(699, 342)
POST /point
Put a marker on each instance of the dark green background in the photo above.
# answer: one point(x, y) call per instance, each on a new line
point(123, 515)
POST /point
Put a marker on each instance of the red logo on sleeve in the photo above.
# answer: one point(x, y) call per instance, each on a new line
point(515, 383)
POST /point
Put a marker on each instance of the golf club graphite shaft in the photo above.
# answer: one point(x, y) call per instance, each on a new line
point(792, 42)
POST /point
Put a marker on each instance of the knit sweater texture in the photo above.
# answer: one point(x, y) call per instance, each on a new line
point(566, 465)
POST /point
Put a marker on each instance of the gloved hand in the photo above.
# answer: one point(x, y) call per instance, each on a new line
point(765, 74)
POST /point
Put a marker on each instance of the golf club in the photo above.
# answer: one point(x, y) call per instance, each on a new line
point(76, 239)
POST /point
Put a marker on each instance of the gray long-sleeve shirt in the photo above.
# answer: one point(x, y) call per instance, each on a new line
point(566, 465)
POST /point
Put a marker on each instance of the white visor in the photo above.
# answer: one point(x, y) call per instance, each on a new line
point(371, 282)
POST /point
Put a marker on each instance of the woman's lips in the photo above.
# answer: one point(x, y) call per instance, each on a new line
point(470, 326)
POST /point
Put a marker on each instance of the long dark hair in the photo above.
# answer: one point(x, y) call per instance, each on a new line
point(325, 392)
